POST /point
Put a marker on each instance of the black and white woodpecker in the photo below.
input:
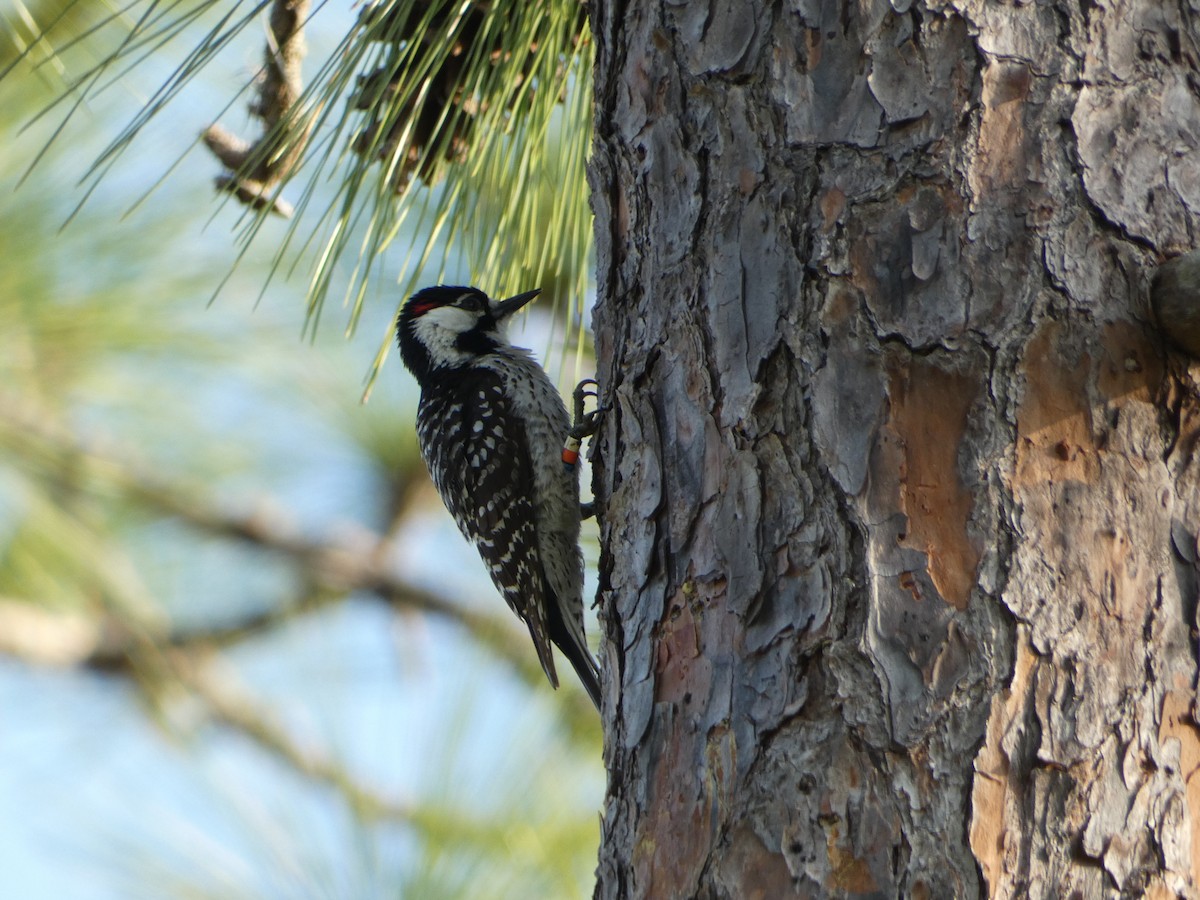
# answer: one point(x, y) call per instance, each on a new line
point(501, 450)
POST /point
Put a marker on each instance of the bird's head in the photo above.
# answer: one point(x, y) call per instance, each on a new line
point(447, 327)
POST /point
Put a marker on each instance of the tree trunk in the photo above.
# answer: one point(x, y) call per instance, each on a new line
point(898, 485)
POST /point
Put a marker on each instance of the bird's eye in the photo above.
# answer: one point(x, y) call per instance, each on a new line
point(470, 302)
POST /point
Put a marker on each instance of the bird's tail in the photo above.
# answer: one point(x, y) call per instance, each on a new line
point(575, 650)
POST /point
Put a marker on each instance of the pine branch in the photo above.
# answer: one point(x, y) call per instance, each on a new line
point(231, 704)
point(255, 170)
point(347, 559)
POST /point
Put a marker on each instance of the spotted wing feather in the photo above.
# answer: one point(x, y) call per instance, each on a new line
point(480, 464)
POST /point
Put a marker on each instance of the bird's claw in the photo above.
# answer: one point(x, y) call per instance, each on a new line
point(584, 424)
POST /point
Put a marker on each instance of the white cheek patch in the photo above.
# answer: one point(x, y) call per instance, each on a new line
point(439, 328)
point(451, 318)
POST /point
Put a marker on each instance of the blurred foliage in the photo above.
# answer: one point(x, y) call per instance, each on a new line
point(195, 508)
point(463, 125)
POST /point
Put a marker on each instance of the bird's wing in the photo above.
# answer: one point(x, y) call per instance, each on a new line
point(487, 485)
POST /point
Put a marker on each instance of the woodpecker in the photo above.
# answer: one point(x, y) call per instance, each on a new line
point(500, 447)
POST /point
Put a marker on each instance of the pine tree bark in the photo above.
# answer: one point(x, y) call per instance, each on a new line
point(898, 484)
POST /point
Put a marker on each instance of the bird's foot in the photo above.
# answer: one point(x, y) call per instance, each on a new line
point(584, 424)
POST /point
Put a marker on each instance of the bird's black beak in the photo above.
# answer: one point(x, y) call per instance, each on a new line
point(504, 308)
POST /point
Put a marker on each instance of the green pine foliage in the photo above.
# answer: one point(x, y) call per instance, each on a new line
point(466, 124)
